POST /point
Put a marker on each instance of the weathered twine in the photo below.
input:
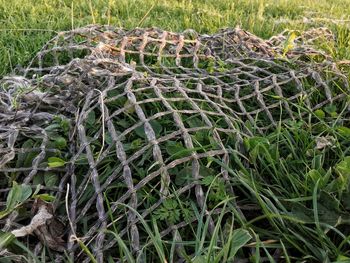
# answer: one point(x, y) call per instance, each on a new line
point(128, 97)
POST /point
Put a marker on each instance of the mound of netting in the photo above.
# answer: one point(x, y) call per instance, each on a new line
point(112, 127)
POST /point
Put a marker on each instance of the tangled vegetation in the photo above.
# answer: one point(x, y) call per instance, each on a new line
point(150, 146)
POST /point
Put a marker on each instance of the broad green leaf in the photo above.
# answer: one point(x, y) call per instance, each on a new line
point(50, 179)
point(205, 171)
point(108, 138)
point(13, 196)
point(18, 194)
point(124, 123)
point(330, 109)
point(26, 192)
point(82, 159)
point(240, 237)
point(314, 175)
point(45, 197)
point(157, 128)
point(65, 123)
point(38, 179)
point(91, 117)
point(140, 131)
point(343, 170)
point(28, 144)
point(253, 142)
point(334, 114)
point(55, 162)
point(182, 177)
point(344, 131)
point(320, 114)
point(301, 212)
point(170, 204)
point(53, 127)
point(60, 142)
point(201, 136)
point(29, 159)
point(329, 201)
point(173, 148)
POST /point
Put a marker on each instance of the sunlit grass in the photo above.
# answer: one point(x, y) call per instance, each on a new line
point(294, 196)
point(25, 25)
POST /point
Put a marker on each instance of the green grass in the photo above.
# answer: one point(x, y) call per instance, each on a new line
point(296, 197)
point(25, 25)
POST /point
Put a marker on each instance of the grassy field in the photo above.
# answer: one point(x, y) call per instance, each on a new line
point(25, 25)
point(300, 192)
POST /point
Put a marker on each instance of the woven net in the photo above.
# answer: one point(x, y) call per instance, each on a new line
point(138, 118)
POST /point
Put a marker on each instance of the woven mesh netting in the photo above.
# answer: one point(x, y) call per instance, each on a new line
point(117, 124)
